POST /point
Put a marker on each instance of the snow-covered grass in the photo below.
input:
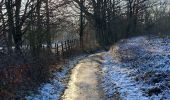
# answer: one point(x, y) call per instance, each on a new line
point(116, 79)
point(138, 69)
point(54, 89)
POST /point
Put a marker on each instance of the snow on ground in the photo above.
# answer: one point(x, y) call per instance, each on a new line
point(54, 89)
point(138, 69)
point(134, 69)
point(116, 79)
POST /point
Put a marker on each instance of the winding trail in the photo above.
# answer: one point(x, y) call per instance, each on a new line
point(84, 81)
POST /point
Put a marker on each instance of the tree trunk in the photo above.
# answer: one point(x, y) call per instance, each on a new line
point(48, 25)
point(11, 28)
point(81, 23)
point(18, 35)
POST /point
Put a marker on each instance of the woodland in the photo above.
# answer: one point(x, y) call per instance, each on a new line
point(39, 38)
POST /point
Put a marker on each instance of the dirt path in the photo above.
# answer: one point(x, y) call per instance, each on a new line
point(83, 84)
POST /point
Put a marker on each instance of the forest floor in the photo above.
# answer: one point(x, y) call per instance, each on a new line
point(134, 69)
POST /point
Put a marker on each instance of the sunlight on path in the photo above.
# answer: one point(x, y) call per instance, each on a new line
point(83, 84)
